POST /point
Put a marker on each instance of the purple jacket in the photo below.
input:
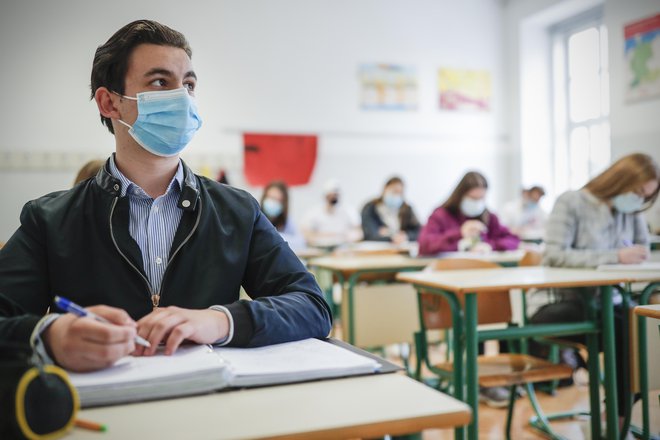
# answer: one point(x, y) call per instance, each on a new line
point(442, 233)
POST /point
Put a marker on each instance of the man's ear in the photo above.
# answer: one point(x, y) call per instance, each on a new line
point(105, 101)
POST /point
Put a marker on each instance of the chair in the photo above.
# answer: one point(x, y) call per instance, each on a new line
point(507, 369)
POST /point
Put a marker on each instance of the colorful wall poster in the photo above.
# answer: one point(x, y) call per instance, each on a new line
point(642, 54)
point(388, 87)
point(462, 89)
point(286, 157)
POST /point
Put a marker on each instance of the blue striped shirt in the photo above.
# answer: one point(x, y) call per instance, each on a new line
point(152, 222)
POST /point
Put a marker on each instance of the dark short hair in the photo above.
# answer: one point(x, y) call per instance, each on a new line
point(111, 59)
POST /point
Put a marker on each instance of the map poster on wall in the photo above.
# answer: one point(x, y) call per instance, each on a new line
point(642, 59)
point(462, 89)
point(388, 87)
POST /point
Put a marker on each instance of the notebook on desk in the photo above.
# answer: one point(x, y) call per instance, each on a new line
point(202, 369)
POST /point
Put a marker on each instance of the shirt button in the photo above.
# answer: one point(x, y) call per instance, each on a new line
point(159, 260)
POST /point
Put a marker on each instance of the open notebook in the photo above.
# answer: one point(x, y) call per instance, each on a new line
point(201, 369)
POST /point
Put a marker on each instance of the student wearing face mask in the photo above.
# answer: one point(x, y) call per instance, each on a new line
point(389, 217)
point(275, 205)
point(156, 250)
point(463, 223)
point(601, 223)
point(524, 216)
point(331, 223)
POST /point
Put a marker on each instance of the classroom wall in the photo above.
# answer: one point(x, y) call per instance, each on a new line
point(288, 66)
point(634, 126)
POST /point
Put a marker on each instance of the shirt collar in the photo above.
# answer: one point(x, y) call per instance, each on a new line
point(128, 187)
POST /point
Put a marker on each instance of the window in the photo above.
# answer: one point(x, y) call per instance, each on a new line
point(581, 104)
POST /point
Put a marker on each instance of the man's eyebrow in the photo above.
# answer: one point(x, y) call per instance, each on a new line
point(159, 71)
point(190, 74)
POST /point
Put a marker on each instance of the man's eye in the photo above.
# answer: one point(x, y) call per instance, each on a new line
point(158, 83)
point(190, 87)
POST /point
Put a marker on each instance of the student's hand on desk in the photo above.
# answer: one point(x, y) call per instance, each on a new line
point(472, 228)
point(633, 254)
point(173, 325)
point(399, 238)
point(84, 344)
point(482, 248)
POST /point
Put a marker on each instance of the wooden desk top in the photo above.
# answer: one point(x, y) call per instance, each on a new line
point(649, 311)
point(308, 253)
point(368, 406)
point(483, 280)
point(351, 264)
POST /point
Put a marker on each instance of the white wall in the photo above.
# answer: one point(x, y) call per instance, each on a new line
point(272, 66)
point(635, 126)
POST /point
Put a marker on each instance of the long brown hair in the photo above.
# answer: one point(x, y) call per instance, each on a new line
point(471, 180)
point(280, 221)
point(625, 175)
point(407, 219)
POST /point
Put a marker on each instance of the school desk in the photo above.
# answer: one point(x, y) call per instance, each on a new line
point(471, 281)
point(358, 407)
point(349, 269)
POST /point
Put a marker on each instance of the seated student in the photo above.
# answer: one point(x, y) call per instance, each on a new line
point(463, 223)
point(275, 205)
point(601, 223)
point(155, 249)
point(524, 216)
point(389, 217)
point(88, 170)
point(331, 223)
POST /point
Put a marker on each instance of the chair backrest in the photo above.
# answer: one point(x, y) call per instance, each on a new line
point(492, 307)
point(531, 258)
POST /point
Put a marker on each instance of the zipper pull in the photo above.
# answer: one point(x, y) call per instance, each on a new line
point(155, 299)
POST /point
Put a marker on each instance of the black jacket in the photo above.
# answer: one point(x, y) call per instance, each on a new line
point(371, 222)
point(76, 244)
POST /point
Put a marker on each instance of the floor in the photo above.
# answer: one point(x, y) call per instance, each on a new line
point(493, 421)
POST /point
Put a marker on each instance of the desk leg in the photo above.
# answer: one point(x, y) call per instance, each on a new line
point(643, 362)
point(594, 384)
point(471, 363)
point(610, 365)
point(351, 308)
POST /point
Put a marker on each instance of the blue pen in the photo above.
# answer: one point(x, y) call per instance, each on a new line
point(71, 307)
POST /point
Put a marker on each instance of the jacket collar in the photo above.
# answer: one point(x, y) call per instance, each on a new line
point(189, 192)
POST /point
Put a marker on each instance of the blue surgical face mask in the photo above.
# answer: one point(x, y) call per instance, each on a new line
point(166, 122)
point(271, 207)
point(472, 207)
point(628, 203)
point(392, 201)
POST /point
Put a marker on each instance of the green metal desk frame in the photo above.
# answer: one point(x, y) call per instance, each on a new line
point(466, 338)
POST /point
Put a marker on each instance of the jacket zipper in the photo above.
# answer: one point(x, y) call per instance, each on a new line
point(155, 297)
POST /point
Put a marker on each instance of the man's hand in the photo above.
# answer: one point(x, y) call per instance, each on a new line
point(633, 255)
point(173, 324)
point(84, 344)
